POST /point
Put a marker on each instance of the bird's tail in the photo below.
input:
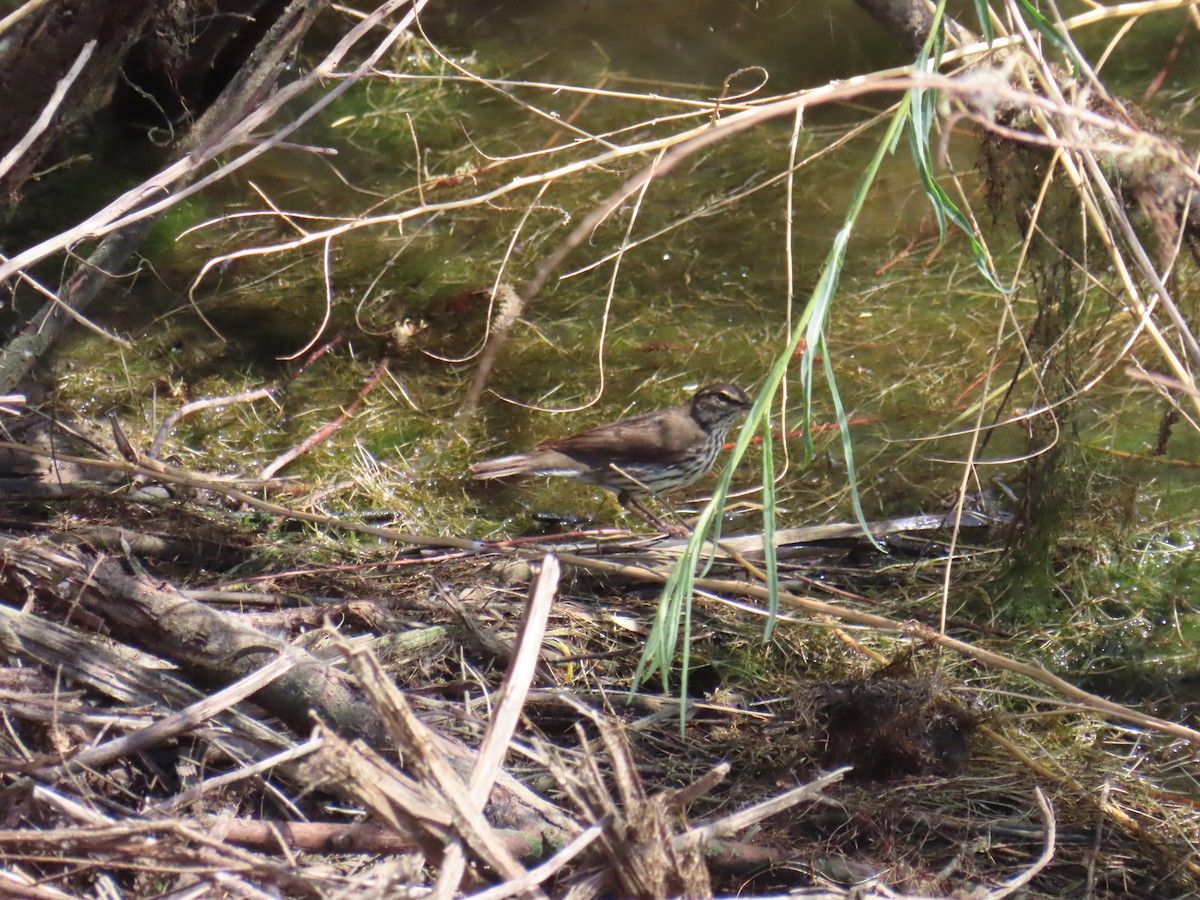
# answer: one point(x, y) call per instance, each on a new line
point(542, 462)
point(503, 466)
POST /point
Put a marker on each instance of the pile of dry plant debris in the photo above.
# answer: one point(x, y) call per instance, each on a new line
point(192, 705)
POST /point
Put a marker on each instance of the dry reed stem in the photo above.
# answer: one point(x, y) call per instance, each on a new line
point(437, 775)
point(186, 720)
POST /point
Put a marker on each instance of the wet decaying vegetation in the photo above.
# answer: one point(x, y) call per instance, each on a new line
point(278, 274)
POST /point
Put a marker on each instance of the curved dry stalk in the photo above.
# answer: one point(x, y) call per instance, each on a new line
point(187, 409)
point(493, 347)
point(1050, 836)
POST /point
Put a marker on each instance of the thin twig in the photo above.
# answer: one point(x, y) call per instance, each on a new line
point(132, 206)
point(751, 815)
point(187, 409)
point(325, 431)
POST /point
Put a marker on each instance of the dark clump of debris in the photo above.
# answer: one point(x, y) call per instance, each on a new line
point(891, 727)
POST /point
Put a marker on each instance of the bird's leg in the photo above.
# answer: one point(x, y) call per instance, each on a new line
point(634, 504)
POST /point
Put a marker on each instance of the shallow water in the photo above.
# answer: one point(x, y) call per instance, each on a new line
point(701, 297)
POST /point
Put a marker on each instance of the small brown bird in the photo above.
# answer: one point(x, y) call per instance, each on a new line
point(648, 454)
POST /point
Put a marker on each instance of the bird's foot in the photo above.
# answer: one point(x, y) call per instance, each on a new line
point(634, 504)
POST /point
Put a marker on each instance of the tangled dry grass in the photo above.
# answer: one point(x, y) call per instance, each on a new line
point(451, 720)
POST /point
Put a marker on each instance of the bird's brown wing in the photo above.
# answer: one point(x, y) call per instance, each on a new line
point(663, 435)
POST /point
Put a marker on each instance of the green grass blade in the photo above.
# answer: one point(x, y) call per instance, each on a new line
point(674, 613)
point(847, 450)
point(770, 563)
point(1046, 29)
point(920, 127)
point(983, 13)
